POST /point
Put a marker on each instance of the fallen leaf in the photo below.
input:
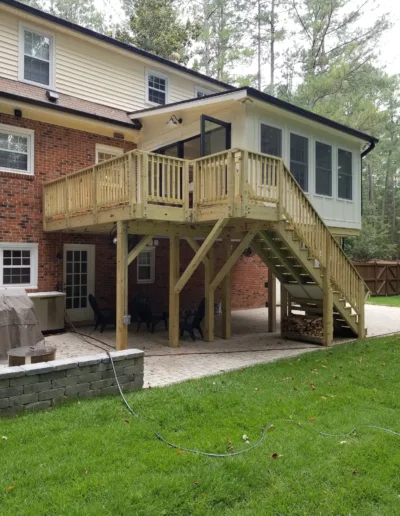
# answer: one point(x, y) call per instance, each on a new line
point(354, 471)
point(344, 442)
point(198, 388)
point(245, 437)
point(230, 444)
point(274, 456)
point(256, 389)
point(196, 483)
point(203, 494)
point(295, 388)
point(180, 452)
point(312, 386)
point(324, 398)
point(9, 488)
point(271, 426)
point(4, 438)
point(126, 421)
point(312, 418)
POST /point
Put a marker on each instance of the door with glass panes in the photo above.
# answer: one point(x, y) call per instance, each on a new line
point(78, 280)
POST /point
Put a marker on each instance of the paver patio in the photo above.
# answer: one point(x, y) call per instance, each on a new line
point(251, 344)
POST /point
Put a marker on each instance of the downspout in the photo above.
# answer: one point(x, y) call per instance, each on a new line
point(370, 148)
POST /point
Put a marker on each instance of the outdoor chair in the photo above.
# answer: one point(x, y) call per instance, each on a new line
point(191, 320)
point(103, 316)
point(144, 313)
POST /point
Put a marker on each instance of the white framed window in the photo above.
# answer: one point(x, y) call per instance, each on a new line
point(18, 265)
point(146, 265)
point(199, 91)
point(16, 150)
point(156, 88)
point(323, 169)
point(105, 152)
point(299, 159)
point(36, 57)
point(345, 174)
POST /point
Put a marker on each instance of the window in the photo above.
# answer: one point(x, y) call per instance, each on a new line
point(105, 152)
point(202, 92)
point(271, 140)
point(345, 176)
point(157, 87)
point(146, 266)
point(18, 265)
point(299, 159)
point(36, 57)
point(16, 150)
point(323, 169)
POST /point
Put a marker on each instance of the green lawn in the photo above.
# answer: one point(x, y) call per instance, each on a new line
point(385, 300)
point(93, 458)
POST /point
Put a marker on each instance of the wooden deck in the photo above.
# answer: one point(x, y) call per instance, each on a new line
point(234, 194)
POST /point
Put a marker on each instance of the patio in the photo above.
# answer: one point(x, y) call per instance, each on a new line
point(250, 344)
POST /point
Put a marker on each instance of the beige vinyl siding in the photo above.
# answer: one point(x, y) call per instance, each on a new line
point(8, 46)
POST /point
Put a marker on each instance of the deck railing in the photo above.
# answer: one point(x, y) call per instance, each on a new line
point(134, 178)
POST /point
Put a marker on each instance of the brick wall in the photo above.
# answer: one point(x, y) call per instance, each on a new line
point(60, 151)
point(46, 384)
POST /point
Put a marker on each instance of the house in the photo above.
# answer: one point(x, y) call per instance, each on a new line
point(109, 155)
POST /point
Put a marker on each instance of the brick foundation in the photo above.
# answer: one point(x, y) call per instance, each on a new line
point(60, 151)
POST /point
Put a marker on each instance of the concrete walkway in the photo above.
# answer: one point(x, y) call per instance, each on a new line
point(251, 344)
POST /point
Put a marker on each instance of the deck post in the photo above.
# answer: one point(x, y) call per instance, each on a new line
point(271, 301)
point(327, 297)
point(284, 302)
point(226, 293)
point(361, 312)
point(122, 285)
point(209, 294)
point(174, 243)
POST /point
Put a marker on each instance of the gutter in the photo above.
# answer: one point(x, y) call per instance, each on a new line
point(134, 125)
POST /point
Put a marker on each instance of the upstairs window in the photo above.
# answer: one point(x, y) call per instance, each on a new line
point(299, 159)
point(345, 175)
point(271, 140)
point(146, 266)
point(36, 64)
point(157, 88)
point(202, 92)
point(16, 150)
point(323, 169)
point(18, 265)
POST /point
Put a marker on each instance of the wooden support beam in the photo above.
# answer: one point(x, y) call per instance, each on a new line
point(195, 246)
point(361, 312)
point(139, 248)
point(201, 254)
point(122, 286)
point(234, 257)
point(271, 301)
point(174, 243)
point(226, 294)
point(209, 295)
point(284, 301)
point(327, 297)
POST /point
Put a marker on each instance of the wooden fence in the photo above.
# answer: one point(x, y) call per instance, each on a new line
point(381, 277)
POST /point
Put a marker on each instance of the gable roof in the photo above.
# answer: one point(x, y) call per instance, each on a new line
point(269, 99)
point(107, 39)
point(19, 91)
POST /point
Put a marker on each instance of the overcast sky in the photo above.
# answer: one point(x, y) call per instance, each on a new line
point(390, 46)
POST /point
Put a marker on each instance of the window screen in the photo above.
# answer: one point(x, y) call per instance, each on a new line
point(345, 175)
point(323, 169)
point(37, 49)
point(299, 159)
point(271, 140)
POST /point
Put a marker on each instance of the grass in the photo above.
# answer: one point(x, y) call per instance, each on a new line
point(385, 300)
point(93, 458)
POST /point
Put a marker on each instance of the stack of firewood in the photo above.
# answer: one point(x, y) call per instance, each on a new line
point(303, 325)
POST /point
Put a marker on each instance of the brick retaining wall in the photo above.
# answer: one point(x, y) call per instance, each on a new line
point(44, 385)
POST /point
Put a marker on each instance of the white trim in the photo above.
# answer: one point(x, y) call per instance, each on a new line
point(11, 246)
point(52, 55)
point(200, 89)
point(108, 149)
point(152, 251)
point(160, 75)
point(30, 135)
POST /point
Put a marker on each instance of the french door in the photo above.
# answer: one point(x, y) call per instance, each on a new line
point(79, 266)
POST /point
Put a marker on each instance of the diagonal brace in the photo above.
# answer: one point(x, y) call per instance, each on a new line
point(195, 246)
point(234, 257)
point(139, 248)
point(201, 254)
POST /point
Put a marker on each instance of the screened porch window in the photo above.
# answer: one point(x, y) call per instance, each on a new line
point(345, 175)
point(323, 169)
point(299, 159)
point(271, 140)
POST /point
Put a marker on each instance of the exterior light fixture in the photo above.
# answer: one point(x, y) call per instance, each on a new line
point(53, 96)
point(174, 121)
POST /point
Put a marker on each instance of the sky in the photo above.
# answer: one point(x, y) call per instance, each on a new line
point(390, 44)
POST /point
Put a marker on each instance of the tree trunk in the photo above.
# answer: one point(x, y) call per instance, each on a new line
point(272, 48)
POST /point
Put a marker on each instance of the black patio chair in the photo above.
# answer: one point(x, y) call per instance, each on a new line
point(191, 320)
point(103, 316)
point(144, 313)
